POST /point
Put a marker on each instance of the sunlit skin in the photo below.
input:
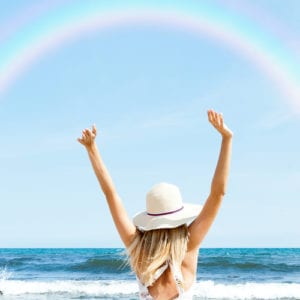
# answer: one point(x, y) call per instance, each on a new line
point(165, 287)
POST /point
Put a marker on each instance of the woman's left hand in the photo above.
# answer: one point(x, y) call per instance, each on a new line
point(88, 137)
point(216, 119)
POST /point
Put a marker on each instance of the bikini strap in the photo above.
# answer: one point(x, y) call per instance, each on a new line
point(160, 270)
point(176, 271)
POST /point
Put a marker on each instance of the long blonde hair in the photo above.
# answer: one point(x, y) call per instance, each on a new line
point(149, 250)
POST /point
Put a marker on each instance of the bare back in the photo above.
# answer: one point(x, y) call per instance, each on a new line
point(165, 286)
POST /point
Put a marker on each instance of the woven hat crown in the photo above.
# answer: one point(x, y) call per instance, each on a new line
point(165, 209)
point(163, 198)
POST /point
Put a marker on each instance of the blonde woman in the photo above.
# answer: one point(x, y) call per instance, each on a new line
point(164, 240)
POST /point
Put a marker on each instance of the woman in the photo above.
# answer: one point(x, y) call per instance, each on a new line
point(162, 247)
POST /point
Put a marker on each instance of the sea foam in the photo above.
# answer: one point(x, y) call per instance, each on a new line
point(110, 288)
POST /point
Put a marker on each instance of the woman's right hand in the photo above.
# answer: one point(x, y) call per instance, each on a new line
point(88, 137)
point(216, 119)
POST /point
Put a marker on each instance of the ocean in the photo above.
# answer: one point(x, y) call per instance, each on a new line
point(101, 273)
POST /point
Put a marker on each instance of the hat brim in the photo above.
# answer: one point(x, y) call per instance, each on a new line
point(145, 222)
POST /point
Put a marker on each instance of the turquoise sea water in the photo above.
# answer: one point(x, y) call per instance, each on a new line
point(223, 273)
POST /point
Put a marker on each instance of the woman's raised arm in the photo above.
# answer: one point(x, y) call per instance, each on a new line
point(123, 223)
point(203, 222)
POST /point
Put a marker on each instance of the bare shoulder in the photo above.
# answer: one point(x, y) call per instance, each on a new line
point(201, 225)
point(189, 264)
point(189, 268)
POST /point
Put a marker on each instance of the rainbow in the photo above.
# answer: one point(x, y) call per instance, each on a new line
point(49, 27)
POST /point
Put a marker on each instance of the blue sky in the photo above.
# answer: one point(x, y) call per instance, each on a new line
point(147, 89)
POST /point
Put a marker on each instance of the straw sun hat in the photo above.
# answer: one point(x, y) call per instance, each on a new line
point(165, 209)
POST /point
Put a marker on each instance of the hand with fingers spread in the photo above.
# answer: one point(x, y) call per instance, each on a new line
point(88, 137)
point(216, 119)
